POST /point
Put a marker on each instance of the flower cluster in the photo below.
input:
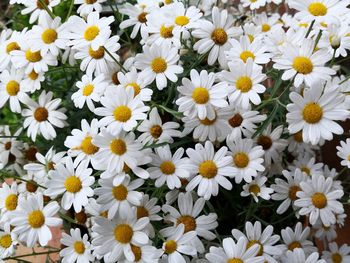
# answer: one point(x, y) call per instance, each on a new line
point(174, 131)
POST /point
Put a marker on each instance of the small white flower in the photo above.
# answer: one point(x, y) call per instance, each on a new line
point(298, 256)
point(256, 188)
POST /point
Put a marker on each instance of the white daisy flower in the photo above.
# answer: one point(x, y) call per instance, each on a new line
point(298, 238)
point(267, 23)
point(88, 6)
point(287, 190)
point(118, 198)
point(9, 198)
point(246, 159)
point(80, 143)
point(253, 4)
point(243, 49)
point(153, 130)
point(36, 9)
point(315, 114)
point(318, 200)
point(214, 37)
point(265, 239)
point(298, 256)
point(90, 91)
point(8, 242)
point(307, 165)
point(121, 110)
point(168, 168)
point(200, 95)
point(145, 254)
point(10, 147)
point(189, 216)
point(113, 239)
point(32, 81)
point(344, 152)
point(32, 220)
point(12, 90)
point(90, 33)
point(235, 252)
point(158, 62)
point(77, 248)
point(178, 244)
point(244, 79)
point(325, 233)
point(256, 188)
point(336, 253)
point(210, 169)
point(74, 184)
point(41, 116)
point(304, 64)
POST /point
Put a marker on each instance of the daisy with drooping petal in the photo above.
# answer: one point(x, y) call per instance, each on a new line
point(158, 62)
point(256, 188)
point(118, 198)
point(90, 91)
point(307, 165)
point(168, 168)
point(210, 169)
point(74, 184)
point(298, 256)
point(336, 253)
point(41, 116)
point(304, 64)
point(145, 254)
point(121, 112)
point(88, 6)
point(244, 79)
point(315, 114)
point(200, 95)
point(246, 159)
point(10, 147)
point(189, 216)
point(344, 152)
point(114, 239)
point(232, 251)
point(153, 130)
point(36, 9)
point(32, 220)
point(318, 200)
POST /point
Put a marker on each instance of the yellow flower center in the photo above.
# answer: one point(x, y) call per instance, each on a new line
point(33, 75)
point(120, 192)
point(170, 246)
point(166, 32)
point(141, 211)
point(241, 159)
point(79, 247)
point(303, 65)
point(319, 200)
point(88, 89)
point(306, 170)
point(312, 113)
point(337, 258)
point(245, 55)
point(49, 36)
point(142, 17)
point(33, 56)
point(167, 167)
point(137, 253)
point(208, 169)
point(11, 47)
point(122, 113)
point(36, 219)
point(123, 233)
point(156, 131)
point(219, 36)
point(200, 95)
point(254, 189)
point(88, 147)
point(244, 84)
point(188, 221)
point(73, 184)
point(265, 142)
point(5, 241)
point(97, 54)
point(41, 114)
point(252, 243)
point(12, 87)
point(292, 193)
point(11, 202)
point(136, 88)
point(181, 20)
point(235, 260)
point(118, 146)
point(317, 9)
point(90, 2)
point(251, 38)
point(294, 245)
point(91, 33)
point(265, 28)
point(207, 122)
point(159, 65)
point(298, 137)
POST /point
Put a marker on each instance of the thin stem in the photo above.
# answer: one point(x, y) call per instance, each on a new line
point(44, 5)
point(310, 28)
point(70, 10)
point(32, 254)
point(115, 60)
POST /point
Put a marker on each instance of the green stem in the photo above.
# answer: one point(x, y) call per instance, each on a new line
point(7, 175)
point(310, 28)
point(70, 10)
point(44, 5)
point(115, 60)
